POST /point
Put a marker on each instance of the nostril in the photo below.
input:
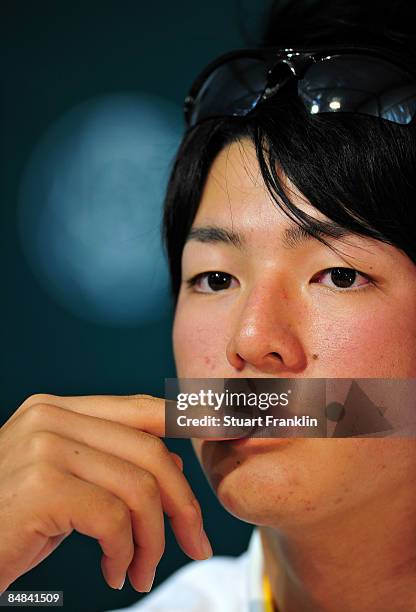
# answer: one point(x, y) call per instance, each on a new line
point(240, 362)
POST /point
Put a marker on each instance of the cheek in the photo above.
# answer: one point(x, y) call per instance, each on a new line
point(371, 344)
point(199, 343)
point(354, 342)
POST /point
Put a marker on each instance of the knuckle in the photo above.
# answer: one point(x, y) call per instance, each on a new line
point(142, 484)
point(156, 445)
point(139, 396)
point(152, 443)
point(119, 515)
point(43, 444)
point(41, 477)
point(37, 398)
point(148, 485)
point(37, 414)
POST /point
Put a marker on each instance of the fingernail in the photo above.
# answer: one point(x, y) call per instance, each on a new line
point(202, 542)
point(122, 584)
point(149, 585)
point(205, 545)
point(197, 511)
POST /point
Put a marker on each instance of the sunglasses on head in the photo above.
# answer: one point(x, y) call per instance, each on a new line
point(355, 79)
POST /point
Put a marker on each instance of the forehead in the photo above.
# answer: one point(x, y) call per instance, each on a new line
point(235, 191)
point(236, 199)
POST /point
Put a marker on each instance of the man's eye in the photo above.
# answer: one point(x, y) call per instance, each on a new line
point(208, 282)
point(338, 278)
point(342, 278)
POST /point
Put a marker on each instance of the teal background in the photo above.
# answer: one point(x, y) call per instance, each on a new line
point(55, 55)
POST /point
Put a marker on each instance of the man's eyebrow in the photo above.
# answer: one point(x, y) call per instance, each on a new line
point(292, 237)
point(215, 233)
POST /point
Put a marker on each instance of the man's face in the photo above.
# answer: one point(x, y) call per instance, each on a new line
point(278, 310)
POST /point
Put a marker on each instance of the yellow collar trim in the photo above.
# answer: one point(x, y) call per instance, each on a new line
point(268, 595)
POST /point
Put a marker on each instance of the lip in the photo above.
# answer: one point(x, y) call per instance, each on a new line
point(251, 443)
point(257, 442)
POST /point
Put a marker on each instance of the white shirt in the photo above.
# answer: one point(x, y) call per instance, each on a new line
point(219, 584)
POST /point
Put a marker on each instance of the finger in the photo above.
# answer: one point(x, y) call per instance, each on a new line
point(61, 502)
point(178, 460)
point(137, 488)
point(143, 412)
point(142, 449)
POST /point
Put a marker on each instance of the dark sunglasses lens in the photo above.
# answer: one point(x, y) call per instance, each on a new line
point(359, 84)
point(233, 88)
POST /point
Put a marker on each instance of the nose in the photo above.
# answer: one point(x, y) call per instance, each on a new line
point(265, 337)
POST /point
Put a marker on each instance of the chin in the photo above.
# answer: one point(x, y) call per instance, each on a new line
point(256, 487)
point(246, 499)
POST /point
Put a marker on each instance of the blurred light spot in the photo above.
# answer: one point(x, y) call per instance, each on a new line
point(335, 105)
point(314, 109)
point(90, 208)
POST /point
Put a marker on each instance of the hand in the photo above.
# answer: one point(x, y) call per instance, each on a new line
point(95, 464)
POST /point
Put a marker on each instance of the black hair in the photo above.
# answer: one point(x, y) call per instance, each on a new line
point(357, 170)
